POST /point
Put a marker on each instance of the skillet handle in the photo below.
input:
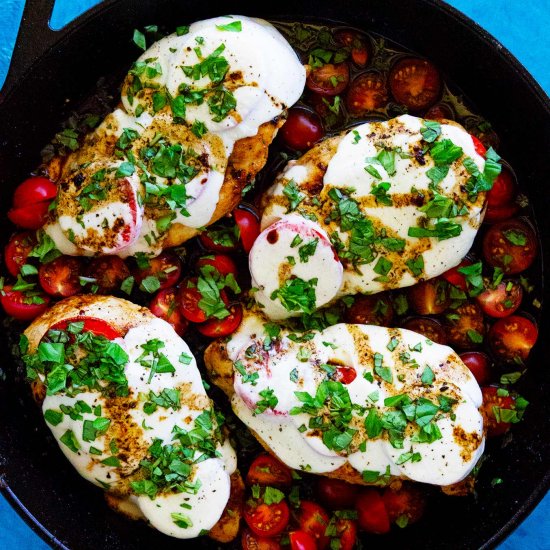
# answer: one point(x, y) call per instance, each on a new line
point(34, 38)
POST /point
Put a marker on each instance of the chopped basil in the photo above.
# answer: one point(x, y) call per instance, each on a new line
point(294, 196)
point(70, 440)
point(235, 26)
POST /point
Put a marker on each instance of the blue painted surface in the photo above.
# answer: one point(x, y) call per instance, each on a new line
point(521, 26)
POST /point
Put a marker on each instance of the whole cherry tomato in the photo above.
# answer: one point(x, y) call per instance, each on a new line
point(478, 363)
point(301, 129)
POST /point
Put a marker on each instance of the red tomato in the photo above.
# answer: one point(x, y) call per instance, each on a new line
point(367, 92)
point(344, 374)
point(429, 297)
point(430, 328)
point(454, 277)
point(301, 129)
point(96, 326)
point(267, 470)
point(359, 50)
point(23, 307)
point(502, 300)
point(500, 213)
point(61, 277)
point(409, 501)
point(503, 191)
point(329, 79)
point(415, 83)
point(248, 222)
point(346, 533)
point(266, 520)
point(492, 402)
point(372, 515)
point(300, 540)
point(510, 245)
point(222, 263)
point(336, 494)
point(250, 541)
point(31, 201)
point(216, 328)
point(479, 147)
point(465, 326)
point(512, 338)
point(108, 272)
point(313, 519)
point(166, 268)
point(220, 238)
point(478, 363)
point(188, 301)
point(17, 250)
point(440, 112)
point(372, 309)
point(164, 305)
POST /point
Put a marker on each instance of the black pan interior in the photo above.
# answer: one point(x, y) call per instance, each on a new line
point(68, 511)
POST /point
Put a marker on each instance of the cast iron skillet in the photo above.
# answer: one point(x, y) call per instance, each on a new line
point(53, 71)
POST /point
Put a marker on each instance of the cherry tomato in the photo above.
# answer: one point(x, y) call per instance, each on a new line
point(503, 191)
point(250, 541)
point(372, 309)
point(248, 223)
point(216, 328)
point(17, 251)
point(345, 374)
point(266, 520)
point(455, 278)
point(301, 129)
point(23, 307)
point(166, 268)
point(31, 201)
point(440, 111)
point(300, 540)
point(478, 146)
point(430, 328)
point(372, 515)
point(502, 300)
point(359, 50)
point(328, 80)
point(313, 519)
point(96, 326)
point(478, 363)
point(61, 277)
point(188, 301)
point(164, 305)
point(346, 533)
point(429, 297)
point(108, 272)
point(492, 402)
point(367, 92)
point(512, 338)
point(267, 470)
point(220, 238)
point(465, 326)
point(409, 501)
point(336, 494)
point(489, 138)
point(415, 83)
point(500, 213)
point(223, 264)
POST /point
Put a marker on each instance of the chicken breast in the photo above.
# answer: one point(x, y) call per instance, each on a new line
point(120, 391)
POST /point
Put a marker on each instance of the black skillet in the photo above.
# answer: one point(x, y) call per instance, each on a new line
point(53, 71)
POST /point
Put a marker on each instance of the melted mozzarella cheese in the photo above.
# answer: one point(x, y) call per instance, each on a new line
point(135, 431)
point(288, 369)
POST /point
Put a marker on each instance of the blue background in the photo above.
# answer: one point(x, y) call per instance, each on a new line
point(521, 26)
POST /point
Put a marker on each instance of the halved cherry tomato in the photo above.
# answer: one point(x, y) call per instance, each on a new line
point(61, 277)
point(217, 328)
point(415, 83)
point(502, 300)
point(454, 277)
point(409, 501)
point(220, 238)
point(22, 306)
point(465, 326)
point(17, 251)
point(367, 92)
point(440, 111)
point(372, 515)
point(266, 520)
point(108, 272)
point(329, 79)
point(336, 494)
point(500, 213)
point(223, 264)
point(494, 403)
point(313, 519)
point(429, 297)
point(346, 533)
point(430, 328)
point(300, 540)
point(250, 541)
point(248, 222)
point(512, 338)
point(510, 245)
point(478, 146)
point(301, 129)
point(164, 305)
point(503, 191)
point(31, 201)
point(359, 50)
point(267, 470)
point(166, 268)
point(188, 301)
point(371, 309)
point(478, 363)
point(96, 326)
point(345, 374)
